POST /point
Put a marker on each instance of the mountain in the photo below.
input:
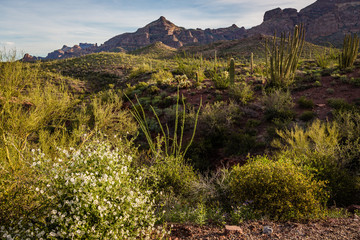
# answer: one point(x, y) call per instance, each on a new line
point(75, 51)
point(168, 33)
point(325, 21)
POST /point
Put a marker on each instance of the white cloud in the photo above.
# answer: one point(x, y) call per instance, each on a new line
point(7, 43)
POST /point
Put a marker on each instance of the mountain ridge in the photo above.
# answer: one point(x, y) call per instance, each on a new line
point(325, 21)
point(162, 30)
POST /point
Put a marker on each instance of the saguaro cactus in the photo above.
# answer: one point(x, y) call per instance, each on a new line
point(349, 51)
point(232, 71)
point(284, 57)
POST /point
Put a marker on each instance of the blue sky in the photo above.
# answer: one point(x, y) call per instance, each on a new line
point(41, 26)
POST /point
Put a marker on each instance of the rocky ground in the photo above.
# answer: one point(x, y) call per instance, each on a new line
point(340, 228)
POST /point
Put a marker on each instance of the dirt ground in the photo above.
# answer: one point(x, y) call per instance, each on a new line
point(339, 229)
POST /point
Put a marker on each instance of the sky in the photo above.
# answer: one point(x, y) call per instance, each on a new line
point(38, 27)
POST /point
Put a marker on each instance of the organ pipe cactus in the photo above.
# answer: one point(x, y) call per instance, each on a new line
point(349, 51)
point(284, 56)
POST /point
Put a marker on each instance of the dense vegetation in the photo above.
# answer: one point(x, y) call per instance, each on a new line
point(115, 145)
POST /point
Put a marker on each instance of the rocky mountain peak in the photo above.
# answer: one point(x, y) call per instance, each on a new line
point(325, 21)
point(163, 19)
point(280, 13)
point(162, 30)
point(161, 22)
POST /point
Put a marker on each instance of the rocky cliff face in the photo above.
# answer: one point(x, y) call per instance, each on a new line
point(168, 33)
point(325, 21)
point(28, 58)
point(75, 51)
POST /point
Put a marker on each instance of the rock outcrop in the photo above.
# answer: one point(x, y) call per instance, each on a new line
point(28, 58)
point(75, 51)
point(325, 21)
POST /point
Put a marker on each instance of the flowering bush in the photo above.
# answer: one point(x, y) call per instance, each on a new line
point(93, 194)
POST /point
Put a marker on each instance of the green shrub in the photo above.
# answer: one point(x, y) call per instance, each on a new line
point(335, 75)
point(106, 114)
point(339, 104)
point(140, 70)
point(355, 81)
point(221, 80)
point(278, 104)
point(188, 66)
point(35, 110)
point(183, 81)
point(341, 184)
point(305, 103)
point(242, 213)
point(142, 86)
point(317, 84)
point(326, 72)
point(307, 116)
point(172, 175)
point(239, 143)
point(17, 197)
point(350, 140)
point(279, 190)
point(344, 79)
point(219, 115)
point(319, 149)
point(322, 60)
point(203, 150)
point(214, 130)
point(187, 213)
point(322, 137)
point(330, 91)
point(162, 77)
point(153, 90)
point(241, 92)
